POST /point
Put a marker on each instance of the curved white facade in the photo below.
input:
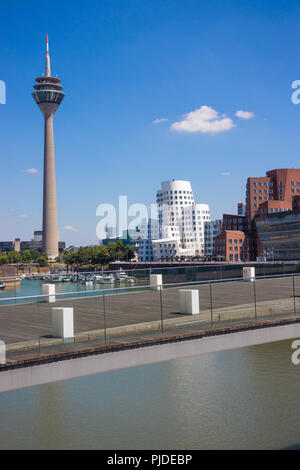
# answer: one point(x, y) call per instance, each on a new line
point(181, 222)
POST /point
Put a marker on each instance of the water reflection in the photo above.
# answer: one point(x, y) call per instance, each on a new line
point(246, 399)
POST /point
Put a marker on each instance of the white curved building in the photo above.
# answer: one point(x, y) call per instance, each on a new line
point(181, 222)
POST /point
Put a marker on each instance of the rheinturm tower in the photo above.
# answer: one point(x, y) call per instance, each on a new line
point(48, 96)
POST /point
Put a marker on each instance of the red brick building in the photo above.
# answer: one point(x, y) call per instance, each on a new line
point(269, 207)
point(296, 203)
point(234, 222)
point(232, 245)
point(277, 185)
point(278, 191)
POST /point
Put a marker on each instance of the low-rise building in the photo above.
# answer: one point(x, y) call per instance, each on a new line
point(35, 244)
point(232, 245)
point(212, 230)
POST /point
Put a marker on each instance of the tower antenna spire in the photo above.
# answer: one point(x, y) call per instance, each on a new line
point(48, 72)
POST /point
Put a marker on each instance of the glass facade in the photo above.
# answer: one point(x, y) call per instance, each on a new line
point(280, 235)
point(48, 96)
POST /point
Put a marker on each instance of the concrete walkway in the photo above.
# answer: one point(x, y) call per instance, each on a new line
point(140, 311)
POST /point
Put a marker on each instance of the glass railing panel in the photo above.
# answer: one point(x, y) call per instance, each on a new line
point(177, 317)
point(274, 296)
point(296, 292)
point(232, 301)
point(132, 313)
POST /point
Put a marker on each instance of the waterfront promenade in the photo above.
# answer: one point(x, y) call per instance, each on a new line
point(146, 311)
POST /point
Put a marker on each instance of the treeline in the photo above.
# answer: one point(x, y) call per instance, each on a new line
point(95, 255)
point(99, 254)
point(24, 256)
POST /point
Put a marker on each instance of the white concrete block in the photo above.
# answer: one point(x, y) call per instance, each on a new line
point(62, 322)
point(156, 281)
point(249, 274)
point(189, 301)
point(49, 289)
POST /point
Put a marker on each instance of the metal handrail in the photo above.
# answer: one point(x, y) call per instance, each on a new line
point(207, 264)
point(123, 290)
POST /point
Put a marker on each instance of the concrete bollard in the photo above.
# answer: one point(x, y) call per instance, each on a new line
point(62, 322)
point(156, 281)
point(189, 301)
point(249, 274)
point(49, 289)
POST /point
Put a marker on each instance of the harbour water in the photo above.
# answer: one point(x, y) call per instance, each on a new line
point(27, 288)
point(245, 399)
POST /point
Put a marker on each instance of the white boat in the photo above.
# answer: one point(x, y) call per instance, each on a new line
point(121, 275)
point(57, 279)
point(2, 285)
point(106, 279)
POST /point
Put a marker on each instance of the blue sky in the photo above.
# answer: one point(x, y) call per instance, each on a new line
point(123, 65)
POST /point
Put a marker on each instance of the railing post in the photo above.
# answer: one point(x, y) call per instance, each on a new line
point(104, 318)
point(161, 311)
point(254, 291)
point(211, 305)
point(294, 295)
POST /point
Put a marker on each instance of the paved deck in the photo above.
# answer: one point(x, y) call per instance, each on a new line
point(24, 322)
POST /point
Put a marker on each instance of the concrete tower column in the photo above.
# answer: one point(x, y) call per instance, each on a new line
point(50, 230)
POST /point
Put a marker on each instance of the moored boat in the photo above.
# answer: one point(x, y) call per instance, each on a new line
point(121, 275)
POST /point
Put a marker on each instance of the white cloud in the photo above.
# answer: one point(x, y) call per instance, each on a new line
point(204, 120)
point(157, 121)
point(225, 173)
point(244, 114)
point(31, 171)
point(23, 216)
point(69, 227)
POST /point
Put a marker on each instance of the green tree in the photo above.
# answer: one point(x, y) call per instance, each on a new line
point(111, 249)
point(127, 253)
point(14, 257)
point(35, 254)
point(43, 260)
point(103, 255)
point(69, 258)
point(26, 256)
point(3, 258)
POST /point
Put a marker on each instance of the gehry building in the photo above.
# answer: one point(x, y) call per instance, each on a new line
point(181, 227)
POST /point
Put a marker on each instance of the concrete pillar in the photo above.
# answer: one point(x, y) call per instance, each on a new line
point(189, 301)
point(249, 274)
point(2, 352)
point(62, 322)
point(49, 289)
point(156, 281)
